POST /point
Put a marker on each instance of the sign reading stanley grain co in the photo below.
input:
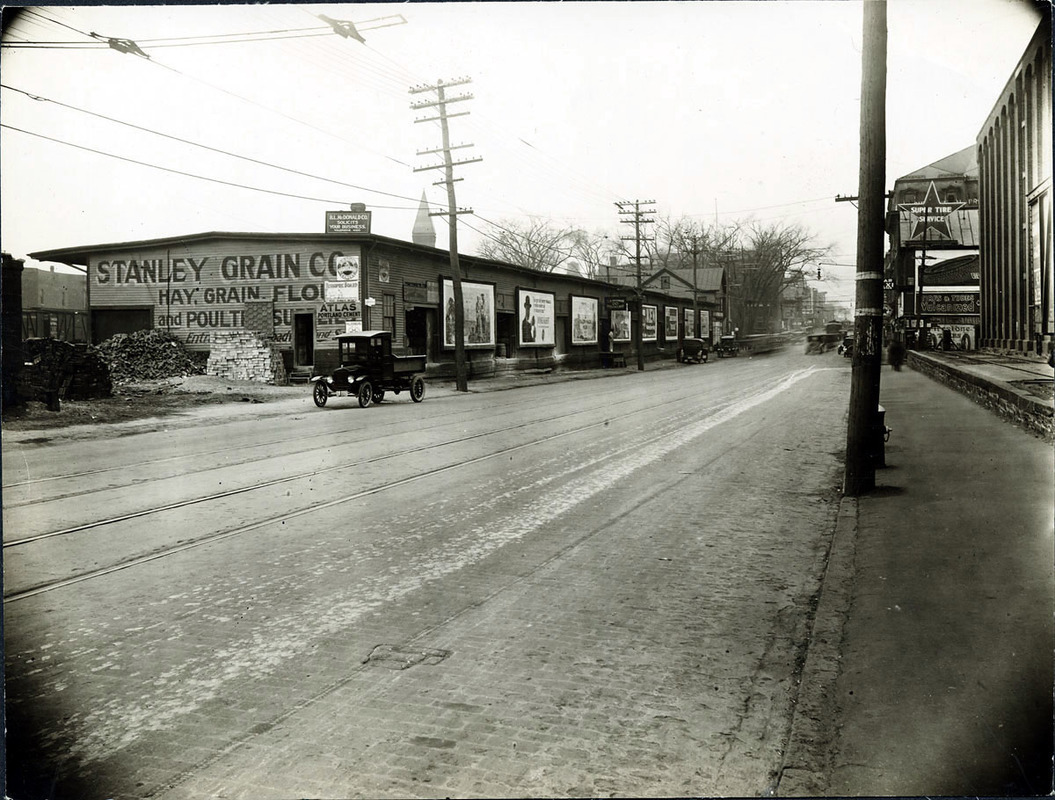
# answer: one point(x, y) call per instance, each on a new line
point(204, 287)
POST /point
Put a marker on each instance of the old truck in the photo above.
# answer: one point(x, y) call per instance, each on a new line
point(368, 368)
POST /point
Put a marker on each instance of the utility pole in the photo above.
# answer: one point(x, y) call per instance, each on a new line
point(862, 437)
point(696, 284)
point(453, 211)
point(637, 219)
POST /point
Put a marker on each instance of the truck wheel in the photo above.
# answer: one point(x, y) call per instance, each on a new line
point(417, 389)
point(379, 395)
point(366, 394)
point(320, 394)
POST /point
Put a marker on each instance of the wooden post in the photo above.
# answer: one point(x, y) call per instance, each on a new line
point(861, 434)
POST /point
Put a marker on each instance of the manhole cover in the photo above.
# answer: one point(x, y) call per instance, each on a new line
point(392, 656)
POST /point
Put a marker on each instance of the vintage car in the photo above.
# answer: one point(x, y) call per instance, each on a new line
point(368, 368)
point(693, 350)
point(727, 346)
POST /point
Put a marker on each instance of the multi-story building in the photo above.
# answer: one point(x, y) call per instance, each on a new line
point(1014, 158)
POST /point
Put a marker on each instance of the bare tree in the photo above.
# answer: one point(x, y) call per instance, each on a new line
point(766, 261)
point(536, 244)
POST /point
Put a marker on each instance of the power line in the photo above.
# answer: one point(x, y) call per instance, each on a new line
point(182, 172)
point(209, 148)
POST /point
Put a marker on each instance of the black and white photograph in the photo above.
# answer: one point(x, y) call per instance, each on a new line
point(527, 399)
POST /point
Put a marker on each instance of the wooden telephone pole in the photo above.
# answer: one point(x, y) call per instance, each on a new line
point(862, 437)
point(453, 211)
point(637, 219)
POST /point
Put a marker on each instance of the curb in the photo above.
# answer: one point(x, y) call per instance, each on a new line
point(807, 759)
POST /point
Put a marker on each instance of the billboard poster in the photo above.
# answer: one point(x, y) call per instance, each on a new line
point(583, 320)
point(536, 312)
point(670, 323)
point(649, 325)
point(690, 322)
point(705, 324)
point(478, 300)
point(620, 326)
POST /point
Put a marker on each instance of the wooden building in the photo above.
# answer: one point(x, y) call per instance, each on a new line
point(299, 290)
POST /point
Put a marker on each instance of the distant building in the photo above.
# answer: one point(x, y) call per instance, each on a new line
point(932, 217)
point(424, 232)
point(1014, 157)
point(54, 305)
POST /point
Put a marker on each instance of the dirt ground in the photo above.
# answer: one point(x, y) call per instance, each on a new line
point(135, 401)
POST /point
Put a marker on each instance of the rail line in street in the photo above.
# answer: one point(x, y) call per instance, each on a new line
point(673, 426)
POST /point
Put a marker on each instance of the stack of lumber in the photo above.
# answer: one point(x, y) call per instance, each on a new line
point(245, 356)
point(54, 369)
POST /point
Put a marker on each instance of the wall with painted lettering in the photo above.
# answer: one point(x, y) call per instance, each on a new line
point(203, 287)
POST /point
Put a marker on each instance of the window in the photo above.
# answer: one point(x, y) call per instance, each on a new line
point(388, 312)
point(664, 282)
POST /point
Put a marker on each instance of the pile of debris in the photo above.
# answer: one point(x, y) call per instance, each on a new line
point(148, 355)
point(55, 370)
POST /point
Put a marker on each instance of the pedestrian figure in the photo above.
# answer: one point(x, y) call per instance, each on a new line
point(896, 354)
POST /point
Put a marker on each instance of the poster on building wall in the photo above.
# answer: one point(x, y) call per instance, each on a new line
point(478, 302)
point(690, 322)
point(649, 323)
point(952, 337)
point(620, 326)
point(705, 324)
point(670, 323)
point(583, 320)
point(536, 318)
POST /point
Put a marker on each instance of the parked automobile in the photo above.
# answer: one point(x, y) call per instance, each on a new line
point(693, 349)
point(368, 368)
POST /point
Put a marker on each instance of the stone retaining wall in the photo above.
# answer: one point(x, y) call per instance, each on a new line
point(1017, 407)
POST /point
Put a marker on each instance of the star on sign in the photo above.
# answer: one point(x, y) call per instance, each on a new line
point(930, 218)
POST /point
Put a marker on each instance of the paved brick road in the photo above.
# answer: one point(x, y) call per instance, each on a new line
point(602, 620)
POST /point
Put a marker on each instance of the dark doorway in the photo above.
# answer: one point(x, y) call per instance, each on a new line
point(111, 321)
point(417, 330)
point(303, 340)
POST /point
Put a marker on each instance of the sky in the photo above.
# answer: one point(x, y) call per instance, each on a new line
point(739, 110)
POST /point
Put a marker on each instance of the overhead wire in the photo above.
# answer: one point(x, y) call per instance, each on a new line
point(208, 147)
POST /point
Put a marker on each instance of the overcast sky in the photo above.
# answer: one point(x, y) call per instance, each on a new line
point(715, 110)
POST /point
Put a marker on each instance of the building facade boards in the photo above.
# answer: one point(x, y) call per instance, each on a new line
point(1014, 158)
point(302, 290)
point(54, 305)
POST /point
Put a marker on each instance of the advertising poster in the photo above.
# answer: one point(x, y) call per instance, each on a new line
point(670, 323)
point(621, 326)
point(536, 318)
point(690, 322)
point(583, 320)
point(705, 324)
point(649, 323)
point(478, 300)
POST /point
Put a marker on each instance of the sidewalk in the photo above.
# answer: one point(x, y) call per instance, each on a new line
point(931, 663)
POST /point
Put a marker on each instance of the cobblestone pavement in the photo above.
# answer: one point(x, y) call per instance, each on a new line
point(620, 616)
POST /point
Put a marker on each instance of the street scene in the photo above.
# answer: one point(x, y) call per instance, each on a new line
point(368, 433)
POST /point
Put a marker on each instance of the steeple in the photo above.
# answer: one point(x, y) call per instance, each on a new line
point(424, 231)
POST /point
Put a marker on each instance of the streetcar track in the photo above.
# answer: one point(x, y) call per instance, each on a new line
point(715, 410)
point(273, 482)
point(215, 451)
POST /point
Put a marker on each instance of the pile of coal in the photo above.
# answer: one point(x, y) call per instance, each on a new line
point(148, 355)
